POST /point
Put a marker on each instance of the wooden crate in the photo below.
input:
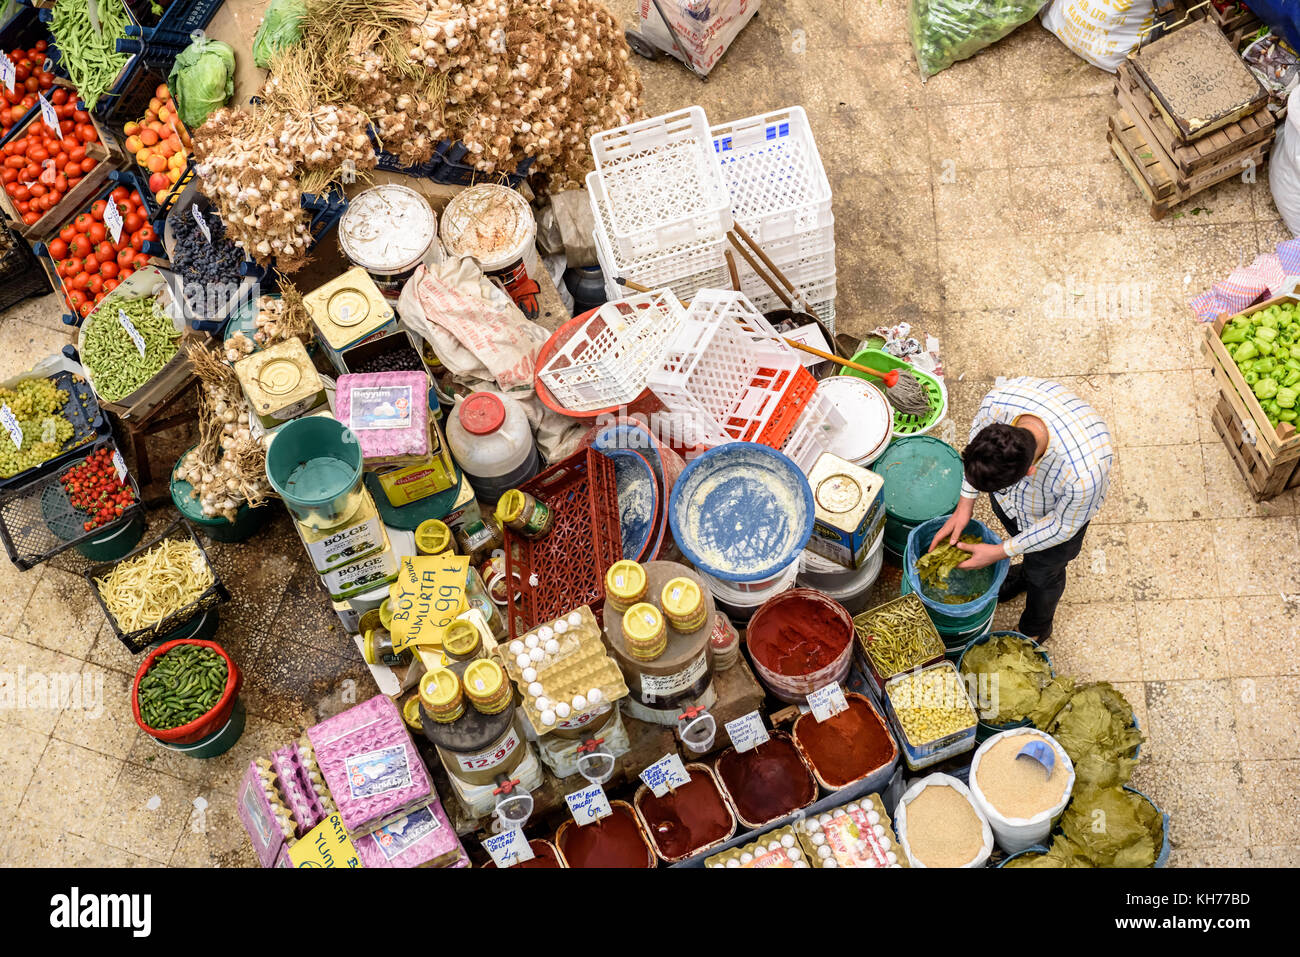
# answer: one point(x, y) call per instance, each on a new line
point(1276, 444)
point(1264, 477)
point(1204, 153)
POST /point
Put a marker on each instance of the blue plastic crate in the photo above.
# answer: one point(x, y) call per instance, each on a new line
point(447, 167)
point(179, 20)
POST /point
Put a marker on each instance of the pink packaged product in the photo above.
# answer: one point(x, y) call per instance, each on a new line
point(370, 765)
point(388, 411)
point(256, 807)
point(423, 838)
point(298, 793)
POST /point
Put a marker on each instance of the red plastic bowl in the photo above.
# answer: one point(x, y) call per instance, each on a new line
point(647, 402)
point(204, 725)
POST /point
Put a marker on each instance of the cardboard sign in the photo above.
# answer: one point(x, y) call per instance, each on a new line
point(326, 845)
point(665, 775)
point(120, 464)
point(10, 422)
point(509, 848)
point(7, 72)
point(827, 701)
point(202, 224)
point(747, 731)
point(588, 805)
point(113, 219)
point(428, 595)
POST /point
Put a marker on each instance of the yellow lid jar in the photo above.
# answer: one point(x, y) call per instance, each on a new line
point(442, 696)
point(411, 713)
point(645, 632)
point(462, 641)
point(683, 604)
point(433, 537)
point(524, 514)
point(486, 686)
point(625, 585)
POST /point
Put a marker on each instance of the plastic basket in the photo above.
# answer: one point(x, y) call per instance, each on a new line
point(684, 285)
point(136, 641)
point(607, 361)
point(905, 425)
point(774, 174)
point(918, 543)
point(447, 167)
point(38, 522)
point(88, 424)
point(21, 276)
point(566, 569)
point(180, 19)
point(811, 435)
point(662, 182)
point(728, 377)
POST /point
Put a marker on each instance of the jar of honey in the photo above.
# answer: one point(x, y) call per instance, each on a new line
point(683, 603)
point(625, 585)
point(487, 687)
point(645, 632)
point(377, 648)
point(442, 696)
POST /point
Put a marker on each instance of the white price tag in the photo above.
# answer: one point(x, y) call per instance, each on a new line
point(509, 848)
point(203, 224)
point(119, 463)
point(665, 775)
point(588, 805)
point(827, 701)
point(7, 72)
point(747, 731)
point(131, 331)
point(113, 219)
point(10, 422)
point(50, 117)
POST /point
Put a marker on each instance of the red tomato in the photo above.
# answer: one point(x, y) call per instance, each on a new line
point(120, 195)
point(110, 285)
point(80, 281)
point(88, 163)
point(105, 251)
point(97, 210)
point(97, 232)
point(70, 266)
point(124, 274)
point(58, 249)
point(125, 256)
point(75, 298)
point(76, 154)
point(79, 246)
point(99, 297)
point(108, 270)
point(147, 233)
point(132, 222)
point(137, 242)
point(20, 192)
point(31, 219)
point(37, 189)
point(95, 286)
point(86, 309)
point(83, 221)
point(59, 96)
point(140, 261)
point(67, 232)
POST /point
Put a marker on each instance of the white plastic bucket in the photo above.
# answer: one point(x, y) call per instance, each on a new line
point(739, 604)
point(914, 790)
point(1016, 834)
point(868, 414)
point(496, 226)
point(850, 587)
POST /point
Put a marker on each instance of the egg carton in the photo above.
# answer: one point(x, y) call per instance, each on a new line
point(272, 792)
point(299, 790)
point(857, 834)
point(563, 666)
point(777, 848)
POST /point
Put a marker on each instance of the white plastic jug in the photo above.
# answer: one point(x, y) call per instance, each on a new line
point(490, 437)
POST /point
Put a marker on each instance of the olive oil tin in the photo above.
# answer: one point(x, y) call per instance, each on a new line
point(348, 310)
point(280, 383)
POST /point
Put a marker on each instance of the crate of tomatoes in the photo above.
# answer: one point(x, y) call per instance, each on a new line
point(85, 261)
point(48, 173)
point(30, 78)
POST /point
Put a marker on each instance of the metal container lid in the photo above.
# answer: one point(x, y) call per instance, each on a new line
point(922, 476)
point(387, 229)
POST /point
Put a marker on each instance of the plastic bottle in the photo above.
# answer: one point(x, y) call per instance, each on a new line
point(490, 437)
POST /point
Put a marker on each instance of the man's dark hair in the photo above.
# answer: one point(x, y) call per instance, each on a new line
point(999, 457)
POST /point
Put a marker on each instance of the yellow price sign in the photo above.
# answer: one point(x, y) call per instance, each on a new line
point(326, 845)
point(428, 595)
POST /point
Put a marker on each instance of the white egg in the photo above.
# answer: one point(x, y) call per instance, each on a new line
point(813, 825)
point(523, 661)
point(733, 863)
point(891, 857)
point(544, 633)
point(895, 865)
point(552, 647)
point(542, 703)
point(579, 702)
point(535, 689)
point(880, 831)
point(787, 840)
point(873, 817)
point(746, 857)
point(793, 853)
point(537, 654)
point(531, 641)
point(774, 846)
point(574, 619)
point(800, 863)
point(850, 808)
point(548, 717)
point(595, 696)
point(561, 626)
point(825, 819)
point(818, 839)
point(530, 673)
point(823, 851)
point(516, 647)
point(562, 710)
point(830, 863)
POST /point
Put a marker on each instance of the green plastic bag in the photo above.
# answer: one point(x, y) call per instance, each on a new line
point(945, 31)
point(202, 80)
point(279, 29)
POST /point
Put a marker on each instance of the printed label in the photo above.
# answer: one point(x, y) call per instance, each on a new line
point(120, 464)
point(747, 731)
point(378, 772)
point(7, 72)
point(10, 422)
point(661, 688)
point(51, 119)
point(484, 760)
point(404, 833)
point(113, 220)
point(361, 576)
point(588, 805)
point(827, 701)
point(380, 408)
point(202, 224)
point(581, 720)
point(665, 775)
point(257, 812)
point(131, 331)
point(349, 545)
point(508, 848)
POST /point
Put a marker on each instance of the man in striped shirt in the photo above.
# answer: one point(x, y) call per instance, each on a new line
point(1044, 455)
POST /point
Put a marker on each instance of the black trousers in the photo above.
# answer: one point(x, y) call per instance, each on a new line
point(1044, 573)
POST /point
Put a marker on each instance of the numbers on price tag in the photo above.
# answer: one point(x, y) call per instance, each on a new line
point(202, 224)
point(48, 114)
point(509, 848)
point(588, 805)
point(7, 72)
point(747, 731)
point(10, 422)
point(665, 775)
point(131, 331)
point(827, 701)
point(113, 220)
point(119, 463)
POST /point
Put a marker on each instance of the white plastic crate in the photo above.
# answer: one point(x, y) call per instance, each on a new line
point(683, 286)
point(606, 362)
point(812, 290)
point(662, 183)
point(774, 174)
point(813, 431)
point(727, 376)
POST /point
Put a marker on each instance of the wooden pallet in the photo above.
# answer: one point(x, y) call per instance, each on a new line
point(1265, 479)
point(1200, 154)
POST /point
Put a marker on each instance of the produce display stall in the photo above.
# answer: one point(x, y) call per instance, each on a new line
point(598, 561)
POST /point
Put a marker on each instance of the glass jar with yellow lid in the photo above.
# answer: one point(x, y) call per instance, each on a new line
point(487, 687)
point(625, 585)
point(461, 641)
point(525, 515)
point(442, 696)
point(434, 537)
point(683, 603)
point(644, 632)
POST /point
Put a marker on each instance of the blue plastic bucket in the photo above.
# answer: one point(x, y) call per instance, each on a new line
point(1162, 855)
point(1033, 849)
point(971, 612)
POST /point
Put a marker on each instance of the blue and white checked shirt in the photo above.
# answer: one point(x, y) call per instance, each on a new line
point(1072, 477)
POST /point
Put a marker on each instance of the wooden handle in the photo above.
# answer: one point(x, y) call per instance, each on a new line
point(771, 283)
point(889, 378)
point(758, 250)
point(731, 270)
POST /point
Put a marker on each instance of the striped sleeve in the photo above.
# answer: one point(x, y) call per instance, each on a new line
point(1071, 512)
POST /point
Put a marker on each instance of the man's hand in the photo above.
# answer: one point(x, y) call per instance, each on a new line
point(955, 525)
point(982, 555)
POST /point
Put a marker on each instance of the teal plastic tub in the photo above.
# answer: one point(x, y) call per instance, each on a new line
point(214, 744)
point(923, 478)
point(116, 543)
point(314, 463)
point(248, 521)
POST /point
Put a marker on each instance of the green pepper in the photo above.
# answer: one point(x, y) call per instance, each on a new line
point(1287, 415)
point(1265, 346)
point(1265, 332)
point(1247, 350)
point(1286, 397)
point(1245, 365)
point(1251, 377)
point(1265, 388)
point(1292, 377)
point(1267, 319)
point(1234, 334)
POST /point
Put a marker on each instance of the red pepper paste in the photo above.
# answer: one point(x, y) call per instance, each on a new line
point(613, 841)
point(848, 745)
point(543, 856)
point(767, 782)
point(687, 819)
point(798, 634)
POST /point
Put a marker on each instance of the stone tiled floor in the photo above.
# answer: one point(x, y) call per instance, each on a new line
point(965, 206)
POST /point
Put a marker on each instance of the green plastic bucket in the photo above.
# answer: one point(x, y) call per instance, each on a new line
point(214, 744)
point(904, 425)
point(116, 543)
point(314, 463)
point(247, 520)
point(410, 516)
point(199, 628)
point(923, 478)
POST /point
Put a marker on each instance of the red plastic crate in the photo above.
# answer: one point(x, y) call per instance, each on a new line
point(566, 569)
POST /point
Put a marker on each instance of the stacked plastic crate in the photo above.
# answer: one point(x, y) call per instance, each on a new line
point(666, 190)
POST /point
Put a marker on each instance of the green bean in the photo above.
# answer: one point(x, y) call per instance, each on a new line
point(110, 356)
point(91, 58)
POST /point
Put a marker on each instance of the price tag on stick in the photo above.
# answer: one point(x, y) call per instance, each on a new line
point(666, 774)
point(827, 701)
point(48, 115)
point(120, 464)
point(202, 224)
point(10, 422)
point(7, 72)
point(588, 805)
point(509, 848)
point(113, 219)
point(131, 331)
point(747, 731)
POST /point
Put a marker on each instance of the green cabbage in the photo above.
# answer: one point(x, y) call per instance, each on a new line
point(279, 29)
point(202, 80)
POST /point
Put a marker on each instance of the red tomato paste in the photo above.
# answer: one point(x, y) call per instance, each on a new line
point(687, 819)
point(543, 856)
point(613, 841)
point(767, 782)
point(799, 633)
point(848, 745)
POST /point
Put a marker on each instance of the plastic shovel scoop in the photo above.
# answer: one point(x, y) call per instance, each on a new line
point(594, 762)
point(514, 808)
point(1041, 753)
point(698, 731)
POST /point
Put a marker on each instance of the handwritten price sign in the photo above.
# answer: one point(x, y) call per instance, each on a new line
point(508, 848)
point(665, 775)
point(747, 731)
point(588, 805)
point(827, 702)
point(428, 595)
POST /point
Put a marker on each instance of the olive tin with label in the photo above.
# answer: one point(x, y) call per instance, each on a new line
point(348, 310)
point(280, 382)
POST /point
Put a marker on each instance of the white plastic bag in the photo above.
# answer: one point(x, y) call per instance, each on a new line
point(914, 791)
point(1016, 834)
point(1103, 32)
point(704, 27)
point(1284, 166)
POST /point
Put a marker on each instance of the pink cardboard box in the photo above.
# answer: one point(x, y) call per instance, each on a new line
point(424, 837)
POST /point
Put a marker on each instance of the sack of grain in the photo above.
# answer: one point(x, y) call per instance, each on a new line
point(1019, 798)
point(940, 826)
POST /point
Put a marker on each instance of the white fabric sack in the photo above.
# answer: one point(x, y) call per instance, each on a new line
point(705, 27)
point(1103, 32)
point(914, 791)
point(1017, 833)
point(1284, 166)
